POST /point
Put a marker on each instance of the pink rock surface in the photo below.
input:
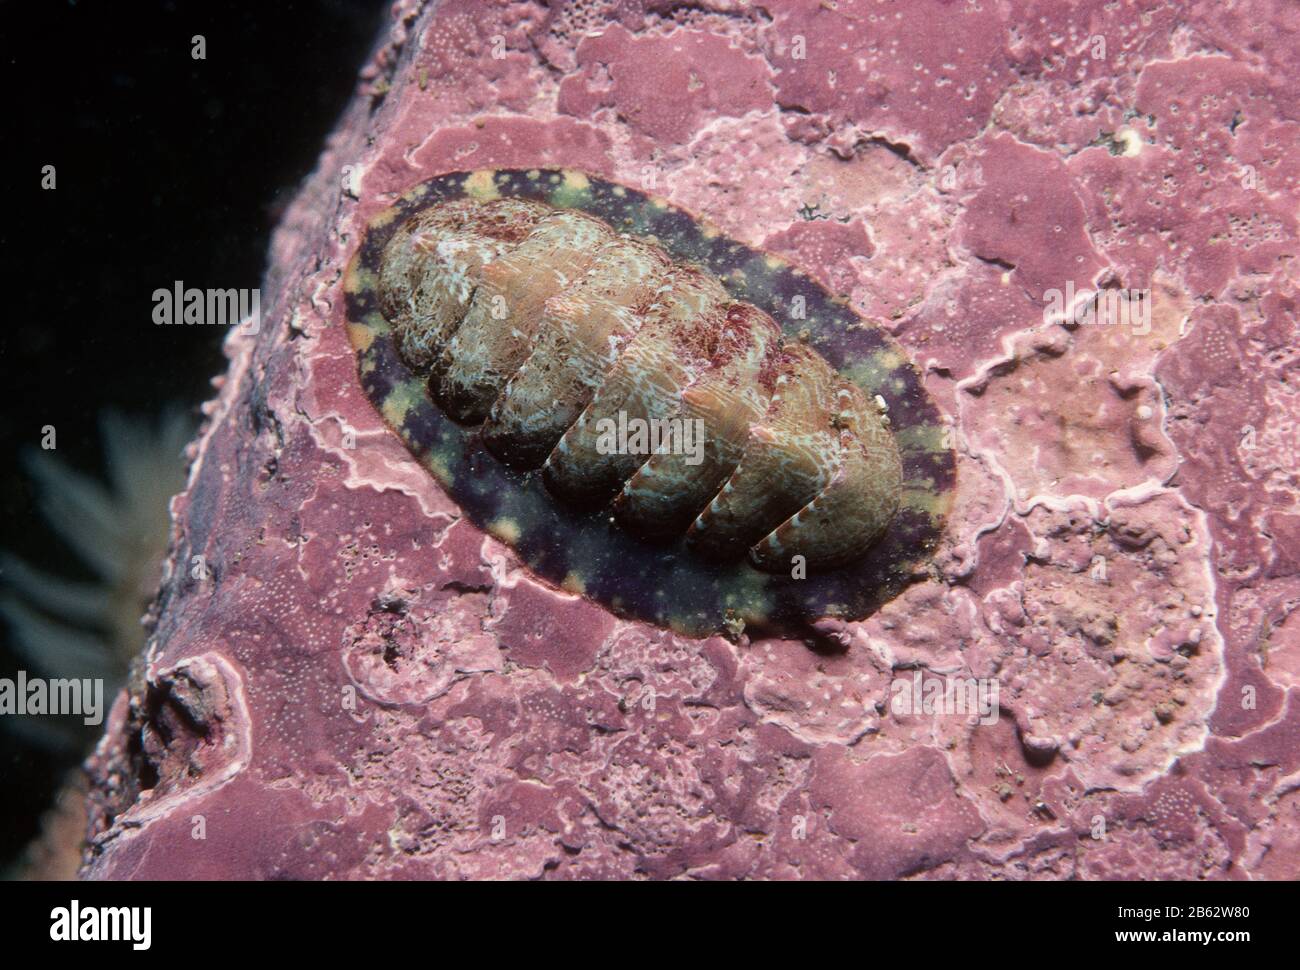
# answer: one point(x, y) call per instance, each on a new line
point(354, 682)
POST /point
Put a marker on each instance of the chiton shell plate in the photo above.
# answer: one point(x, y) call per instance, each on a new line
point(578, 545)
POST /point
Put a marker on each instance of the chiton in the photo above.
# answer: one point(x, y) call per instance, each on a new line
point(677, 426)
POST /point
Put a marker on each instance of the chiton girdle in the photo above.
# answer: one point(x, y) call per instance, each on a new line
point(582, 549)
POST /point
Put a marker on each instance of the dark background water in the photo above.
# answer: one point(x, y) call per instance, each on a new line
point(168, 169)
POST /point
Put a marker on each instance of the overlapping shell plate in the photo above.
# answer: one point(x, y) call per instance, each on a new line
point(677, 426)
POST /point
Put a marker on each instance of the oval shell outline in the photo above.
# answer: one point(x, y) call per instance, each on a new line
point(583, 551)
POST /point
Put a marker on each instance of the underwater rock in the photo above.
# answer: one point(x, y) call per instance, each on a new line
point(1096, 674)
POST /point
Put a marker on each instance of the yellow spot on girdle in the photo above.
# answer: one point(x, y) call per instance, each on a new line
point(384, 218)
point(574, 583)
point(572, 190)
point(921, 437)
point(872, 372)
point(507, 530)
point(356, 278)
point(891, 359)
point(480, 185)
point(399, 401)
point(361, 336)
point(926, 500)
point(437, 465)
point(414, 196)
